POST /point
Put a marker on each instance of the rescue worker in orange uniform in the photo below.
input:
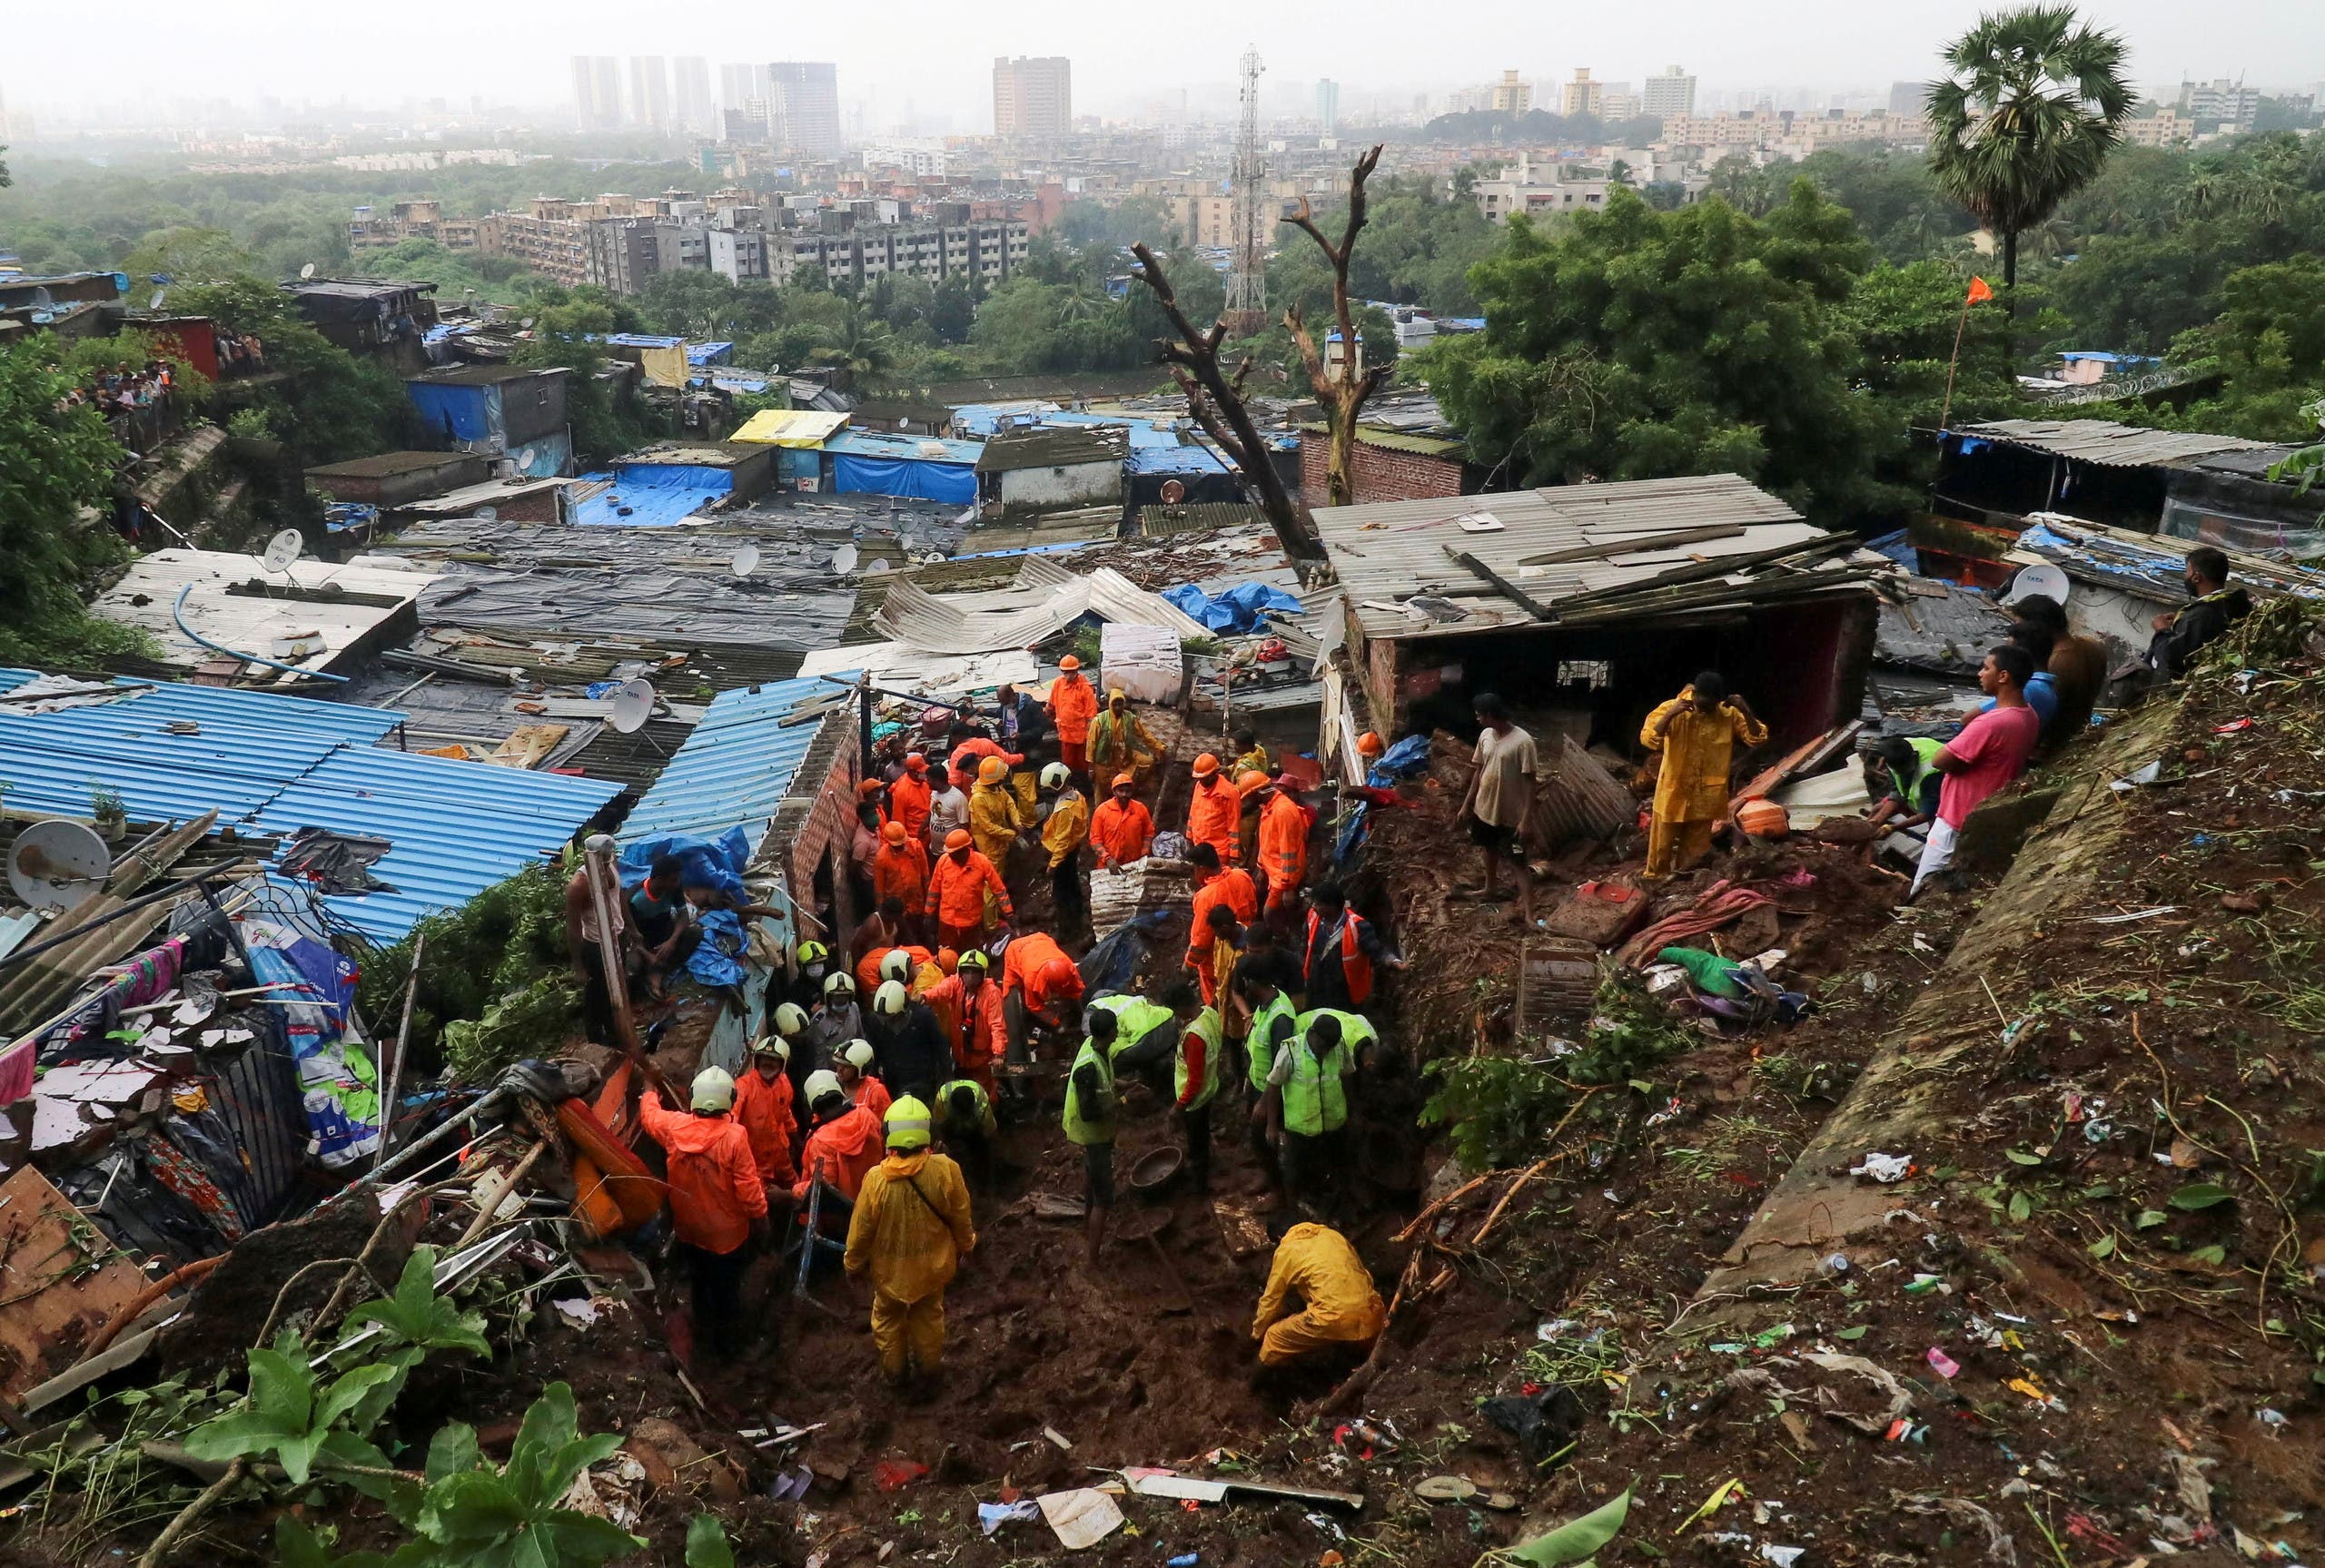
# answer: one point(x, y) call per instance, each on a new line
point(1216, 885)
point(762, 1105)
point(1121, 828)
point(979, 1035)
point(844, 1144)
point(1073, 703)
point(957, 888)
point(908, 798)
point(900, 871)
point(1284, 844)
point(717, 1201)
point(1039, 985)
point(1211, 811)
point(854, 1067)
point(910, 1242)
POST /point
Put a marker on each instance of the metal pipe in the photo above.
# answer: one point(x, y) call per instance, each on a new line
point(238, 869)
point(178, 613)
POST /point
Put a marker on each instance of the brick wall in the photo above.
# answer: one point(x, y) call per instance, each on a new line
point(1382, 473)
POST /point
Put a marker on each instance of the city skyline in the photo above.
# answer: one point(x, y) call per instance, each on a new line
point(939, 60)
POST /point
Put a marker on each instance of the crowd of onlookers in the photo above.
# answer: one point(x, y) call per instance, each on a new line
point(134, 399)
point(239, 353)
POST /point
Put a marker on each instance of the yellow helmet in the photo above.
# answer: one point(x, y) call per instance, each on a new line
point(907, 1123)
point(812, 952)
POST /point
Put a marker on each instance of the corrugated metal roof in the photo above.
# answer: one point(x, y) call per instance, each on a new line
point(278, 763)
point(2103, 441)
point(909, 448)
point(1387, 552)
point(1063, 447)
point(738, 767)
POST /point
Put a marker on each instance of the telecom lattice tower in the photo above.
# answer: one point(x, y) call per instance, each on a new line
point(1247, 287)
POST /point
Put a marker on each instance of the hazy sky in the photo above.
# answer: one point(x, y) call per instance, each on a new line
point(939, 56)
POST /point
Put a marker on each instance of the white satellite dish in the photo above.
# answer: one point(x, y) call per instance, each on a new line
point(56, 863)
point(306, 271)
point(633, 705)
point(2049, 581)
point(874, 567)
point(527, 323)
point(745, 561)
point(488, 514)
point(843, 560)
point(283, 550)
point(156, 303)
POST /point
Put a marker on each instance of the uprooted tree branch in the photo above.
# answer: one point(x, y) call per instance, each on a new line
point(1216, 398)
point(1344, 389)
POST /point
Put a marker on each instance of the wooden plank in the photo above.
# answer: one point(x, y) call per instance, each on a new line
point(55, 1301)
point(1506, 588)
point(528, 746)
point(1606, 548)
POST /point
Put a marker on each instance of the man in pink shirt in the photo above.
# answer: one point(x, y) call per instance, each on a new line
point(1989, 751)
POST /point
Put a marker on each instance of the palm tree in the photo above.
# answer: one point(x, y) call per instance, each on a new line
point(865, 349)
point(2032, 103)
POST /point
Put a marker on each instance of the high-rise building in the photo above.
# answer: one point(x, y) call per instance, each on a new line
point(597, 92)
point(739, 85)
point(803, 106)
point(1328, 106)
point(1908, 97)
point(690, 94)
point(1511, 96)
point(1670, 90)
point(2221, 103)
point(1584, 96)
point(1032, 96)
point(649, 92)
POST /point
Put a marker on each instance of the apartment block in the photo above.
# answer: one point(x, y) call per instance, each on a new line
point(1032, 96)
point(804, 106)
point(1670, 90)
point(986, 251)
point(423, 219)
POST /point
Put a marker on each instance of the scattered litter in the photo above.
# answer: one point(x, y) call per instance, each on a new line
point(1188, 1561)
point(1080, 1518)
point(992, 1517)
point(2152, 772)
point(1783, 1556)
point(2272, 1421)
point(2135, 914)
point(1721, 1494)
point(1924, 1284)
point(895, 1474)
point(1883, 1167)
point(2234, 726)
point(792, 1485)
point(1326, 1526)
point(1546, 1424)
point(1060, 1438)
point(1944, 1365)
point(582, 1313)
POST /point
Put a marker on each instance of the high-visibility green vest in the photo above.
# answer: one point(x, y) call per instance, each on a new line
point(1092, 1124)
point(1314, 1100)
point(1256, 1042)
point(1925, 751)
point(951, 1117)
point(1205, 1028)
point(1356, 1030)
point(1135, 1018)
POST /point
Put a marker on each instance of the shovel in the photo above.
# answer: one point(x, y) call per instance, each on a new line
point(1147, 1226)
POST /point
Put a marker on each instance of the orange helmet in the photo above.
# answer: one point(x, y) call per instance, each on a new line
point(947, 960)
point(869, 788)
point(1122, 779)
point(894, 832)
point(1069, 663)
point(1206, 765)
point(1369, 744)
point(992, 770)
point(1248, 780)
point(959, 839)
point(1059, 974)
point(916, 763)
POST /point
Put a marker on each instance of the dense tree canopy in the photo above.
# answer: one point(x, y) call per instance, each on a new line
point(57, 463)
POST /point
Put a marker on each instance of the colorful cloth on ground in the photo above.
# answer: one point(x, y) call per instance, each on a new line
point(1722, 902)
point(338, 1079)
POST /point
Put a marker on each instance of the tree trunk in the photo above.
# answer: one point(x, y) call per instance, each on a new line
point(2009, 305)
point(1343, 397)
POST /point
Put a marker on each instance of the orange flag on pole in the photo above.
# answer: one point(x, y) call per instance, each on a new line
point(1979, 291)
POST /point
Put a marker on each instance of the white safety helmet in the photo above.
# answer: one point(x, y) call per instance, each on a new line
point(896, 964)
point(823, 1085)
point(839, 983)
point(772, 1045)
point(1054, 776)
point(714, 1089)
point(858, 1054)
point(889, 1001)
point(790, 1018)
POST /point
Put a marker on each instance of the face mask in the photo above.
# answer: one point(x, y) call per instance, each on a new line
point(815, 971)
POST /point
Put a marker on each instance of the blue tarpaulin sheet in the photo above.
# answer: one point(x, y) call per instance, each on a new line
point(894, 476)
point(713, 862)
point(1242, 609)
point(459, 411)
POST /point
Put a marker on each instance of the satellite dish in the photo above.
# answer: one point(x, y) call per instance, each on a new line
point(57, 863)
point(41, 299)
point(746, 560)
point(156, 303)
point(283, 550)
point(633, 705)
point(527, 323)
point(306, 271)
point(843, 560)
point(2049, 581)
point(875, 567)
point(488, 514)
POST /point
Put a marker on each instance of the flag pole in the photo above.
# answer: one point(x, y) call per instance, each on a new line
point(1946, 410)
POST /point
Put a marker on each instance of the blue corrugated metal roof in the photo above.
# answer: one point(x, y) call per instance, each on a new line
point(738, 767)
point(709, 353)
point(278, 763)
point(909, 448)
point(642, 339)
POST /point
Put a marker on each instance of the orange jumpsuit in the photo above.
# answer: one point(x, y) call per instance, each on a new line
point(901, 871)
point(1119, 832)
point(867, 968)
point(1231, 887)
point(843, 1150)
point(955, 900)
point(715, 1187)
point(763, 1108)
point(909, 804)
point(1283, 848)
point(1211, 816)
point(1021, 967)
point(1073, 703)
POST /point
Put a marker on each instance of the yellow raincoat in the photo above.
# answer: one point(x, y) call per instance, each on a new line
point(1068, 828)
point(1691, 791)
point(1342, 1307)
point(911, 1249)
point(996, 816)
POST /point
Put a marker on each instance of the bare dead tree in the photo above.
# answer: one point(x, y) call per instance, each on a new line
point(1343, 395)
point(1215, 398)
